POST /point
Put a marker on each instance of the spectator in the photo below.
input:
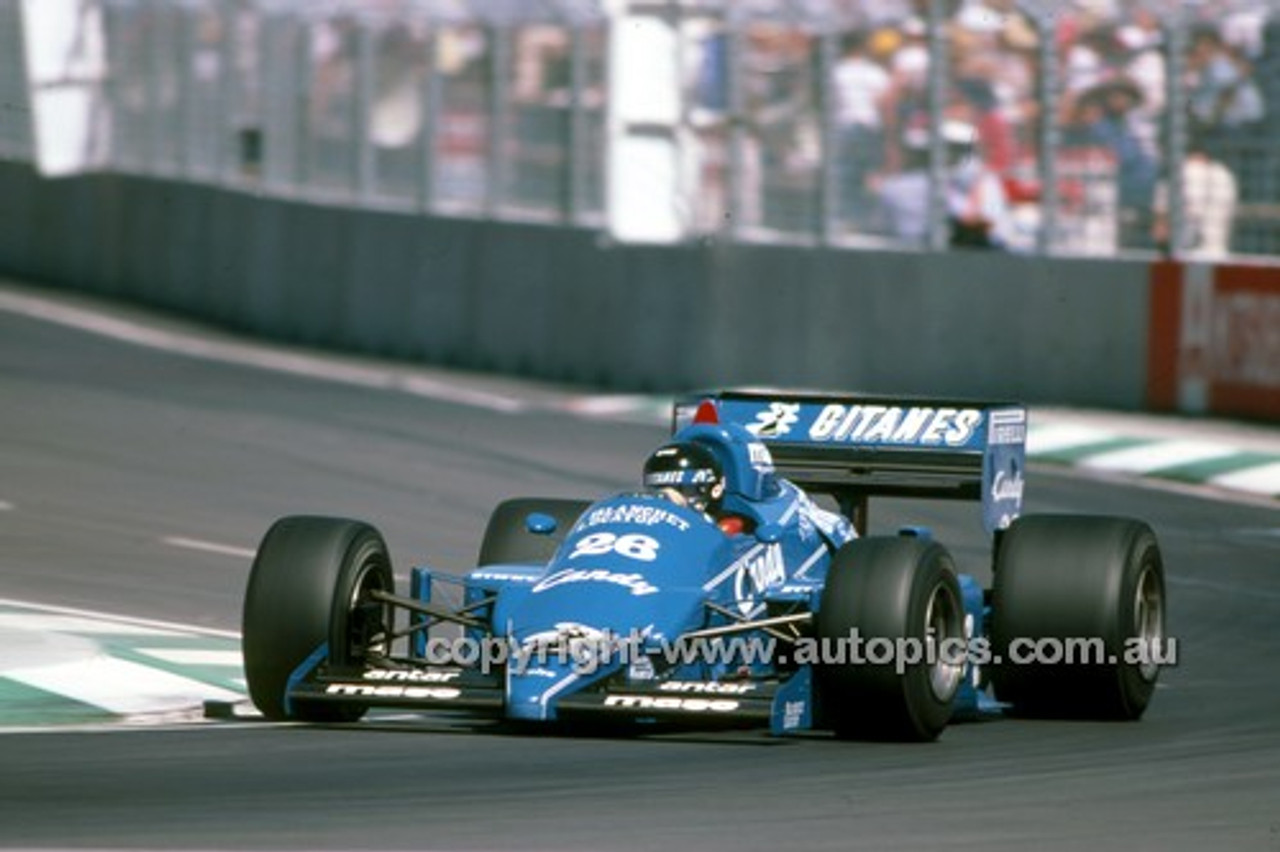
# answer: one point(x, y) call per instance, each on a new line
point(996, 137)
point(1090, 59)
point(1103, 118)
point(978, 213)
point(1223, 97)
point(1145, 66)
point(904, 194)
point(861, 85)
point(1209, 194)
point(977, 206)
point(907, 101)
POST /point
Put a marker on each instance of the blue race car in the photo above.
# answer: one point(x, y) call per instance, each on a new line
point(740, 587)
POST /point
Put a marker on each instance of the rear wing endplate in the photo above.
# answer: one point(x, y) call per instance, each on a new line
point(863, 446)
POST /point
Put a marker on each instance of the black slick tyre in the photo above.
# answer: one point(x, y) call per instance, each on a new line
point(890, 593)
point(1078, 616)
point(507, 540)
point(309, 586)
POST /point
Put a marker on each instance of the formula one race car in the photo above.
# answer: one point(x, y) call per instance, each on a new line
point(738, 588)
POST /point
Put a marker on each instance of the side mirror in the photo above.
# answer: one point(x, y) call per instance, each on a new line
point(539, 523)
point(769, 533)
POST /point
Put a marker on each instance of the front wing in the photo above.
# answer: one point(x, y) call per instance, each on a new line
point(783, 705)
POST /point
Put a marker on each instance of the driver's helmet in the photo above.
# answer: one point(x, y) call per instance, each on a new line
point(688, 472)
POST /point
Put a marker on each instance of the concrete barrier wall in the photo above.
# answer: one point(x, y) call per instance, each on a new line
point(558, 303)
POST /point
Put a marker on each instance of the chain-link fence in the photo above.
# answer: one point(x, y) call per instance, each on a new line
point(1069, 127)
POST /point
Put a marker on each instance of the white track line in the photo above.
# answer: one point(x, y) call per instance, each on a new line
point(254, 355)
point(100, 617)
point(79, 624)
point(210, 547)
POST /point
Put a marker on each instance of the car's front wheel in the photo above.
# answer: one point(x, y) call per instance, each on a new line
point(309, 602)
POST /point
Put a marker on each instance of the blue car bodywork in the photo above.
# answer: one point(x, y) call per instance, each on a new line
point(648, 612)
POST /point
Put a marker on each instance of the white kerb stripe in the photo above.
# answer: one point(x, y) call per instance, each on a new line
point(194, 656)
point(122, 687)
point(1147, 457)
point(1064, 436)
point(1256, 480)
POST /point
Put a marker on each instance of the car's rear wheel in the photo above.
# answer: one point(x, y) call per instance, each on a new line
point(1078, 616)
point(899, 597)
point(308, 602)
point(508, 540)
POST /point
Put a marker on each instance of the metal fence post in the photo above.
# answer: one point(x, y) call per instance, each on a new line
point(304, 80)
point(430, 122)
point(499, 111)
point(279, 120)
point(1050, 138)
point(939, 225)
point(151, 85)
point(184, 52)
point(829, 132)
point(365, 171)
point(1175, 153)
point(574, 171)
point(736, 102)
point(227, 103)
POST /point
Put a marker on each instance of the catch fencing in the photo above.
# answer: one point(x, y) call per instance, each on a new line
point(1053, 128)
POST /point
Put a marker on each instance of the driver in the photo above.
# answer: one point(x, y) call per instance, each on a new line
point(689, 474)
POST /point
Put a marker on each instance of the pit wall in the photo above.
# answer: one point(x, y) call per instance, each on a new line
point(562, 304)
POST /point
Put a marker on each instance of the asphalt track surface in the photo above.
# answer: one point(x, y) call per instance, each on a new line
point(110, 452)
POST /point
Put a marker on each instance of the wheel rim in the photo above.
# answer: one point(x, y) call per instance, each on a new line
point(943, 621)
point(366, 618)
point(1148, 621)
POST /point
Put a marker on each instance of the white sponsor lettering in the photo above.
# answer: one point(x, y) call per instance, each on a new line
point(878, 424)
point(792, 714)
point(641, 668)
point(658, 702)
point(368, 690)
point(633, 513)
point(1007, 427)
point(565, 631)
point(707, 687)
point(680, 477)
point(760, 457)
point(634, 546)
point(636, 583)
point(411, 675)
point(757, 571)
point(502, 577)
point(1005, 487)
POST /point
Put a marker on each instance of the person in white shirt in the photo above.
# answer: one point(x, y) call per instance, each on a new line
point(1209, 196)
point(860, 85)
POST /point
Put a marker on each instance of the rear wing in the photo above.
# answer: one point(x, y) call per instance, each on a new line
point(855, 447)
